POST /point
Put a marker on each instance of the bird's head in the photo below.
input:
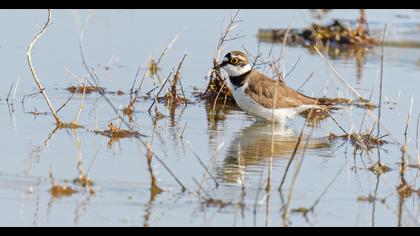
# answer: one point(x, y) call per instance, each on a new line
point(235, 63)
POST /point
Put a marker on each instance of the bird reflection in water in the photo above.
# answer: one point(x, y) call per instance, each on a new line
point(254, 145)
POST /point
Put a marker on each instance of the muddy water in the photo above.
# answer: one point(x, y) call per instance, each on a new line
point(237, 152)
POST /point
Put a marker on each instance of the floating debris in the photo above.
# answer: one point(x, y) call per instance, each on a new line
point(115, 132)
point(128, 111)
point(176, 100)
point(61, 191)
point(369, 199)
point(83, 181)
point(211, 202)
point(118, 93)
point(58, 190)
point(70, 125)
point(37, 113)
point(87, 88)
point(379, 168)
point(301, 210)
point(360, 141)
point(405, 190)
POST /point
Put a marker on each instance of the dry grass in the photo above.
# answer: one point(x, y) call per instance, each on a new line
point(216, 86)
point(57, 190)
point(360, 140)
point(336, 35)
point(154, 189)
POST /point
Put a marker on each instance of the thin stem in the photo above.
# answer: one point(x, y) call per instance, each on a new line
point(38, 83)
point(380, 83)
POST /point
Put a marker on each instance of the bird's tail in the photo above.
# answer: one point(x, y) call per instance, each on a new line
point(324, 101)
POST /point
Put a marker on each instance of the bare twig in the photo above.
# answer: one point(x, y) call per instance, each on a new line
point(176, 79)
point(217, 96)
point(68, 99)
point(203, 165)
point(364, 114)
point(292, 157)
point(88, 70)
point(167, 48)
point(163, 85)
point(362, 22)
point(215, 76)
point(256, 58)
point(293, 68)
point(135, 79)
point(134, 99)
point(155, 189)
point(38, 83)
point(144, 143)
point(380, 83)
point(81, 105)
point(10, 90)
point(409, 115)
point(139, 139)
point(304, 82)
point(154, 66)
point(15, 89)
point(417, 140)
point(335, 121)
point(339, 76)
point(326, 189)
point(297, 170)
point(224, 36)
point(183, 130)
point(283, 49)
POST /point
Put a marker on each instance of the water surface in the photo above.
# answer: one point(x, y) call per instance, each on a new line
point(235, 149)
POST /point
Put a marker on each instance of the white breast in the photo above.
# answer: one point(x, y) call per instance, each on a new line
point(247, 104)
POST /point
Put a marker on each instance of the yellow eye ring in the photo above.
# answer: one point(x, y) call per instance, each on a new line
point(234, 60)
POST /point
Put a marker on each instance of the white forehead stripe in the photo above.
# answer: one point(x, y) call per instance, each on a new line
point(236, 70)
point(225, 59)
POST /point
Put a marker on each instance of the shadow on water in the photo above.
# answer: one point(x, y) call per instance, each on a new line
point(253, 146)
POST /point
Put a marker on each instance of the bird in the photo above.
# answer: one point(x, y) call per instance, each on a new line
point(263, 97)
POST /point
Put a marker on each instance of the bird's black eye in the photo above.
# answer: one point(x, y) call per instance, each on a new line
point(234, 61)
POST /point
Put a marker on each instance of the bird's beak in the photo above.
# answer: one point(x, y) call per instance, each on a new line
point(220, 65)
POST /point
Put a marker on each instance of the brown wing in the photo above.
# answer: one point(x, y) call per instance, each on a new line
point(263, 89)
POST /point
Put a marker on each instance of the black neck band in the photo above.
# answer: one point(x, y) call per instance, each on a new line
point(239, 80)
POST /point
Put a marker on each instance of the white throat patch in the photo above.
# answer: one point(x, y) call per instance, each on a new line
point(234, 71)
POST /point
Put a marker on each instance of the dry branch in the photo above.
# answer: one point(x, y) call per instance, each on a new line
point(38, 83)
point(216, 82)
point(138, 137)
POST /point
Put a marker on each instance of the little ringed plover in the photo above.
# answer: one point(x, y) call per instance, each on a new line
point(263, 97)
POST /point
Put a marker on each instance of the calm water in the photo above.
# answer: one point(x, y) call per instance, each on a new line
point(235, 150)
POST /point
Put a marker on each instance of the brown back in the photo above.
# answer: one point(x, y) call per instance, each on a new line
point(263, 89)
